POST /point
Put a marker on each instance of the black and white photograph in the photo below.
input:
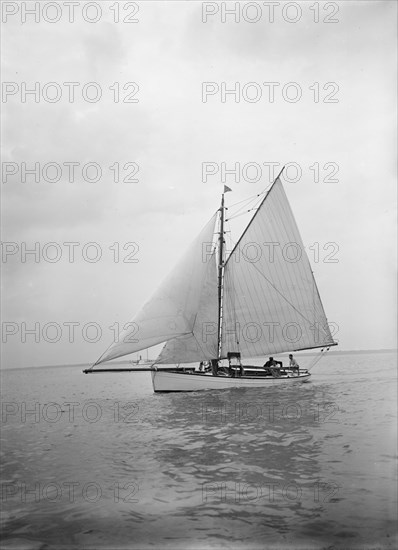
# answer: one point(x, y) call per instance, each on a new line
point(199, 275)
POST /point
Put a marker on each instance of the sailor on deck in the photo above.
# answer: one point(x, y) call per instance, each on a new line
point(293, 365)
point(273, 367)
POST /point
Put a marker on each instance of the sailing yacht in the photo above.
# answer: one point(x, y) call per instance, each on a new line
point(259, 300)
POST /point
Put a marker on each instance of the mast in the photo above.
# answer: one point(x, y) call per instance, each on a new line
point(220, 273)
point(221, 264)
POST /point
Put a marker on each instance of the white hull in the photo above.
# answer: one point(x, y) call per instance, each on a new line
point(174, 381)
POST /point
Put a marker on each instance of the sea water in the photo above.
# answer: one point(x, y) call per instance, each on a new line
point(100, 461)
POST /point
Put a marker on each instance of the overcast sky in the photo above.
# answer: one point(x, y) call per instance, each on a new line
point(345, 72)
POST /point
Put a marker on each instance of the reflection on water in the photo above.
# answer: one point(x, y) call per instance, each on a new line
point(101, 461)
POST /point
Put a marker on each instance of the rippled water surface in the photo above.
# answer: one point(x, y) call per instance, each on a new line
point(102, 462)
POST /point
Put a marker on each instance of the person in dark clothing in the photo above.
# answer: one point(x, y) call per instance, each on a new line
point(214, 367)
point(273, 367)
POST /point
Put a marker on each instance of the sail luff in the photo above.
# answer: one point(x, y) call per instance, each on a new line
point(171, 310)
point(202, 342)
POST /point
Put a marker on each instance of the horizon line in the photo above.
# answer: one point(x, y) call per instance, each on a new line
point(332, 352)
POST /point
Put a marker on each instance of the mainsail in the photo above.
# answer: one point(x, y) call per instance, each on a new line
point(202, 342)
point(174, 309)
point(264, 299)
point(271, 302)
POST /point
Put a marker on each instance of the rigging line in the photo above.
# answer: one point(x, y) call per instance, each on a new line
point(315, 359)
point(243, 210)
point(280, 293)
point(242, 213)
point(251, 200)
point(318, 358)
point(251, 221)
point(250, 203)
point(257, 195)
point(238, 213)
point(248, 199)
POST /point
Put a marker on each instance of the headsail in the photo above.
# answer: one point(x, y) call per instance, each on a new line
point(173, 309)
point(271, 303)
point(201, 343)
